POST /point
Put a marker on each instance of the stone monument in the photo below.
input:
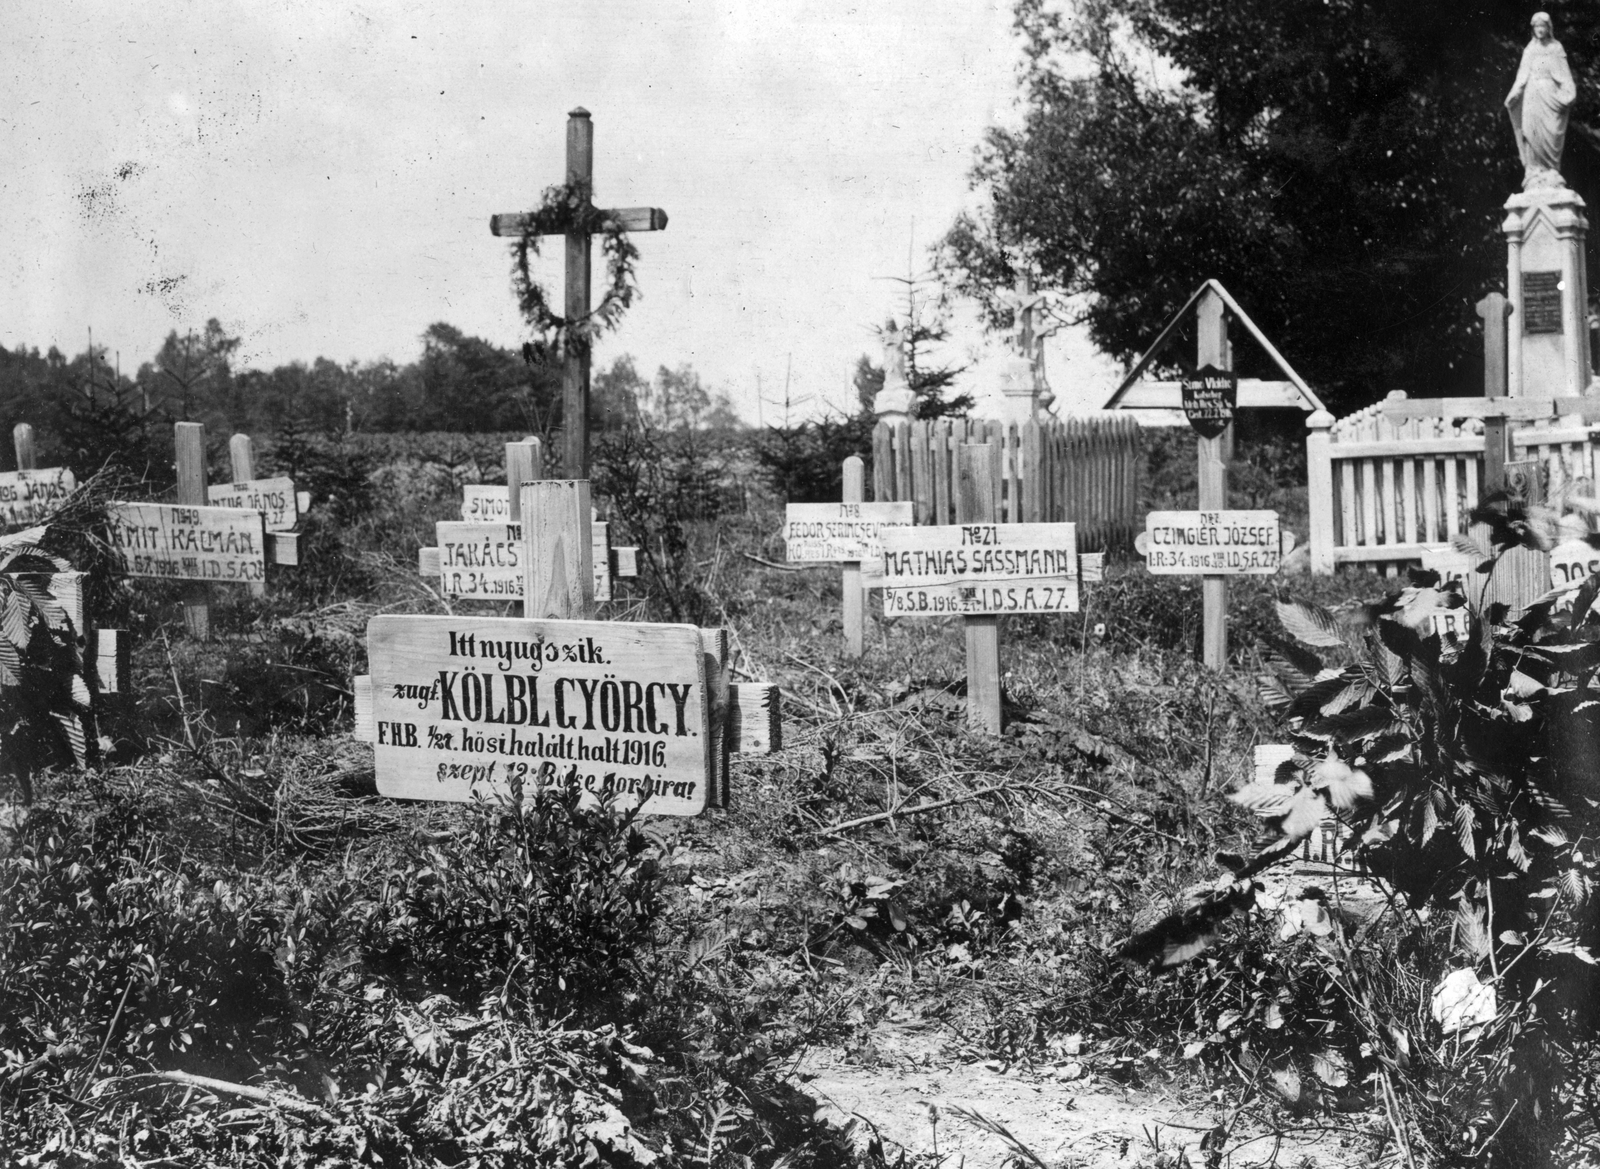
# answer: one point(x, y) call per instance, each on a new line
point(1547, 279)
point(895, 402)
point(1025, 393)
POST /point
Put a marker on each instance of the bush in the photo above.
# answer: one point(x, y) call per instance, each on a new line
point(803, 464)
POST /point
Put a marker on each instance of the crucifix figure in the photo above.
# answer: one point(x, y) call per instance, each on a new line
point(575, 358)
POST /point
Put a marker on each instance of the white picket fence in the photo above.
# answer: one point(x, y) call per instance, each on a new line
point(1383, 490)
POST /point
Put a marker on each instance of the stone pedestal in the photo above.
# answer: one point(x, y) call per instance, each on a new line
point(895, 403)
point(1547, 283)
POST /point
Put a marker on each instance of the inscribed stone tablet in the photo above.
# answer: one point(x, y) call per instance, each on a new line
point(485, 503)
point(217, 544)
point(1212, 543)
point(473, 706)
point(1541, 302)
point(26, 497)
point(273, 498)
point(823, 532)
point(972, 569)
point(480, 562)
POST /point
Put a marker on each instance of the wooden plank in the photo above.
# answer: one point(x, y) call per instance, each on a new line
point(903, 488)
point(22, 441)
point(1221, 543)
point(282, 548)
point(302, 501)
point(716, 646)
point(1347, 506)
point(600, 559)
point(1518, 409)
point(524, 464)
point(922, 472)
point(625, 561)
point(30, 497)
point(214, 544)
point(756, 718)
point(1470, 467)
point(1452, 498)
point(1211, 348)
point(112, 661)
point(1393, 448)
point(1430, 500)
point(1382, 553)
point(557, 556)
point(1033, 484)
point(478, 562)
point(882, 463)
point(364, 730)
point(964, 569)
point(1369, 502)
point(852, 597)
point(485, 503)
point(975, 506)
point(275, 498)
point(1389, 508)
point(429, 562)
point(627, 218)
point(189, 441)
point(1253, 392)
point(466, 706)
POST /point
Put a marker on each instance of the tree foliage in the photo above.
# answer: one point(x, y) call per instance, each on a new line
point(1339, 165)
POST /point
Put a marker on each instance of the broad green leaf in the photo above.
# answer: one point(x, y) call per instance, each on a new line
point(1310, 624)
point(1465, 823)
point(1343, 784)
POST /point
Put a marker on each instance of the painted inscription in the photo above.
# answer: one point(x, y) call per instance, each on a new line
point(480, 562)
point(216, 544)
point(485, 706)
point(27, 497)
point(823, 532)
point(1541, 302)
point(485, 503)
point(973, 569)
point(273, 498)
point(1212, 543)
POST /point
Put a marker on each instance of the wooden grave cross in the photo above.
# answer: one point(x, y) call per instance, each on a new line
point(1209, 397)
point(575, 357)
point(849, 533)
point(660, 715)
point(980, 570)
point(479, 556)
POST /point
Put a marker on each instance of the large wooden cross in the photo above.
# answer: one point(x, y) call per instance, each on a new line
point(575, 360)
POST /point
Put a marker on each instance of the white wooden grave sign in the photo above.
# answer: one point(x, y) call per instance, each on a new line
point(976, 569)
point(213, 544)
point(28, 497)
point(275, 499)
point(483, 561)
point(466, 706)
point(1213, 543)
point(822, 533)
point(1569, 561)
point(484, 503)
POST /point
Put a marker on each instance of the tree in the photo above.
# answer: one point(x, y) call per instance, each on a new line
point(195, 375)
point(925, 314)
point(1340, 166)
point(470, 384)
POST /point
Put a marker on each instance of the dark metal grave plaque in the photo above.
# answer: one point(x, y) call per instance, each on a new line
point(1541, 302)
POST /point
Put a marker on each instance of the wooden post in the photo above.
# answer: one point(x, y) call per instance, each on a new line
point(22, 439)
point(189, 442)
point(575, 350)
point(855, 608)
point(1319, 485)
point(975, 504)
point(1213, 350)
point(556, 550)
point(523, 465)
point(1494, 311)
point(242, 454)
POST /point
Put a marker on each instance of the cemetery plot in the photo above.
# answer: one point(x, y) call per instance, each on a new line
point(826, 532)
point(216, 544)
point(465, 707)
point(1220, 543)
point(275, 499)
point(977, 569)
point(28, 497)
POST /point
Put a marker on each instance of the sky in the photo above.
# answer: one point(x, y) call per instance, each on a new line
point(320, 177)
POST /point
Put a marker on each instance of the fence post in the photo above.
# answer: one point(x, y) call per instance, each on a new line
point(189, 442)
point(1319, 494)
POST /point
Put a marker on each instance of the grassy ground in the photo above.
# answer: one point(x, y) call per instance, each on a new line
point(437, 986)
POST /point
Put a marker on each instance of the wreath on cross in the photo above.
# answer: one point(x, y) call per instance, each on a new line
point(565, 208)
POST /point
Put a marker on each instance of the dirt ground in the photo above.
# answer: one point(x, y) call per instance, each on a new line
point(1081, 1121)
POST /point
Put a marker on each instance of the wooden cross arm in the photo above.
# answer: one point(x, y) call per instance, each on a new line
point(627, 218)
